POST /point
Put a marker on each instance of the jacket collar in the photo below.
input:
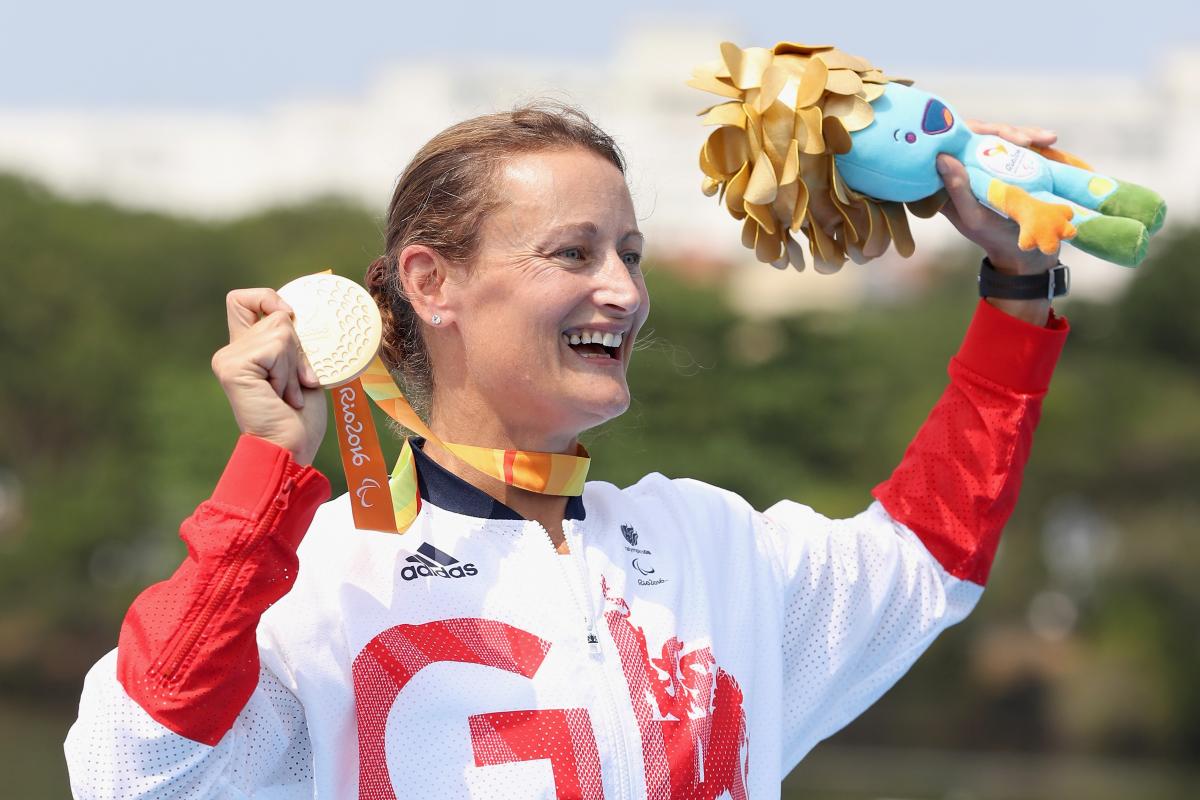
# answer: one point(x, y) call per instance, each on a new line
point(447, 491)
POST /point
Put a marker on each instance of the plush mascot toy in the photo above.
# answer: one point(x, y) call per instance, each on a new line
point(818, 141)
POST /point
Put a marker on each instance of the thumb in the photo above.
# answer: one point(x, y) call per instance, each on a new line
point(965, 207)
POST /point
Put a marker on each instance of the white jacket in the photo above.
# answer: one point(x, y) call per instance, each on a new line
point(688, 647)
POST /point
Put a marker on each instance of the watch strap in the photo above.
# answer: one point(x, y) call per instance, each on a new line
point(1050, 284)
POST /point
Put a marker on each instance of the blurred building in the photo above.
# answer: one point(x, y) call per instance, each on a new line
point(216, 165)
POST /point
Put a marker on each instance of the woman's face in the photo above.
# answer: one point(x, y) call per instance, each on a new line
point(558, 263)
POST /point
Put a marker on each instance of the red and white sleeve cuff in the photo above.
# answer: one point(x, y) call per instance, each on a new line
point(256, 473)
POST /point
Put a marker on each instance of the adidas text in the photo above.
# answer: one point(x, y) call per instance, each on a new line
point(430, 562)
point(414, 571)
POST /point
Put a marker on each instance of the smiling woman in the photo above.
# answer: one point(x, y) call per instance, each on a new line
point(446, 198)
point(518, 233)
point(530, 634)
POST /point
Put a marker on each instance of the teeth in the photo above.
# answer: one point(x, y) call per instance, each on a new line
point(595, 337)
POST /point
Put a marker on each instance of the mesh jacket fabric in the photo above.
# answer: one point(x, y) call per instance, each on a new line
point(690, 646)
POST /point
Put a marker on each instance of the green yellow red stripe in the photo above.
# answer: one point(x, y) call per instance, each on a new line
point(545, 473)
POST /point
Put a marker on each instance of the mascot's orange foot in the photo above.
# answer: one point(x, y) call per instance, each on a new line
point(1043, 225)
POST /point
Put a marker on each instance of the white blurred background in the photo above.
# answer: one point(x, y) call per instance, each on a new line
point(219, 109)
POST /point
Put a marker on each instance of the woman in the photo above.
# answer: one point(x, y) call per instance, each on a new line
point(663, 640)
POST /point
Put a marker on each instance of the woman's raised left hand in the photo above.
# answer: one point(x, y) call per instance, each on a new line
point(978, 223)
point(996, 234)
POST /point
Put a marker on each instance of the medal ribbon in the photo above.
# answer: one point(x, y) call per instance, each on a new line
point(395, 510)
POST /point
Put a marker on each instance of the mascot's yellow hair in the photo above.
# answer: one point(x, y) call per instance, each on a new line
point(791, 109)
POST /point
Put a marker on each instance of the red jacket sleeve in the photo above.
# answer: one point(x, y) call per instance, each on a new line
point(958, 481)
point(187, 652)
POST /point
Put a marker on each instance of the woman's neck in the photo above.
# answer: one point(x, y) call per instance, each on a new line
point(546, 509)
point(461, 418)
point(486, 431)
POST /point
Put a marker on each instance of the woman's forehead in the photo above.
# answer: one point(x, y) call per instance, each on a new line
point(565, 188)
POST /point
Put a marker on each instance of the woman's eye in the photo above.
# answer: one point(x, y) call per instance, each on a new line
point(632, 260)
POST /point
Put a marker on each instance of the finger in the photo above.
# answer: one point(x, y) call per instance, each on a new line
point(244, 308)
point(1032, 136)
point(308, 375)
point(981, 127)
point(949, 211)
point(292, 394)
point(1001, 129)
point(277, 372)
point(1023, 136)
point(275, 343)
point(968, 211)
point(1013, 134)
point(284, 372)
point(1042, 137)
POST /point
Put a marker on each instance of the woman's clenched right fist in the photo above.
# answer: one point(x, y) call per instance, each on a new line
point(271, 387)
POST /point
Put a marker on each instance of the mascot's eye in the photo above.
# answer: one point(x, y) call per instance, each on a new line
point(910, 137)
point(938, 118)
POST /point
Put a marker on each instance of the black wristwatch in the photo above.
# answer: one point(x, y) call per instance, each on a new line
point(1048, 285)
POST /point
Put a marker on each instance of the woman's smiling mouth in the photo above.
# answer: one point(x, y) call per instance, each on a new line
point(592, 343)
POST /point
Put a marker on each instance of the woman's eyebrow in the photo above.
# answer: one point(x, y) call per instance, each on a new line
point(587, 229)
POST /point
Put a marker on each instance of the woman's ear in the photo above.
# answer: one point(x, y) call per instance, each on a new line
point(423, 278)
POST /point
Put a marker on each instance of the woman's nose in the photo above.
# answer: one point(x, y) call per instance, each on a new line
point(619, 288)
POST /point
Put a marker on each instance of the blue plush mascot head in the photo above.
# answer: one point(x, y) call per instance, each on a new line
point(895, 157)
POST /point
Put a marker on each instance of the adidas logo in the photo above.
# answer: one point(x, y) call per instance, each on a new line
point(429, 561)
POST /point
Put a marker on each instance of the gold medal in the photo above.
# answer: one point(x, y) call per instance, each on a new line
point(338, 324)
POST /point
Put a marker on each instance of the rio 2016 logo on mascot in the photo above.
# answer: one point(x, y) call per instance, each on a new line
point(817, 141)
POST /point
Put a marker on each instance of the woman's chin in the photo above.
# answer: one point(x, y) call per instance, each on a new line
point(599, 405)
point(614, 409)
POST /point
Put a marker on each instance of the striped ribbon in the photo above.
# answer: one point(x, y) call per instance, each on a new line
point(545, 473)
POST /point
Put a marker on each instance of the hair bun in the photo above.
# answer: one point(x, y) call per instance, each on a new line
point(377, 273)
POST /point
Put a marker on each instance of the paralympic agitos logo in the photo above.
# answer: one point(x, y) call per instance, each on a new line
point(428, 561)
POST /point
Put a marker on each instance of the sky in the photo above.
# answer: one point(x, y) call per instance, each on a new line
point(240, 55)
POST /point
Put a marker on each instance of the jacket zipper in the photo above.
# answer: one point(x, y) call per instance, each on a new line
point(594, 645)
point(216, 598)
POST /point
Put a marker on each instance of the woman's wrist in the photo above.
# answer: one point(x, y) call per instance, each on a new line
point(1033, 262)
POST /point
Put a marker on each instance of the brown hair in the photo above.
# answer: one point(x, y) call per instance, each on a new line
point(441, 200)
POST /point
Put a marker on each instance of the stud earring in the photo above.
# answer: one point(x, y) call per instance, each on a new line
point(436, 320)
